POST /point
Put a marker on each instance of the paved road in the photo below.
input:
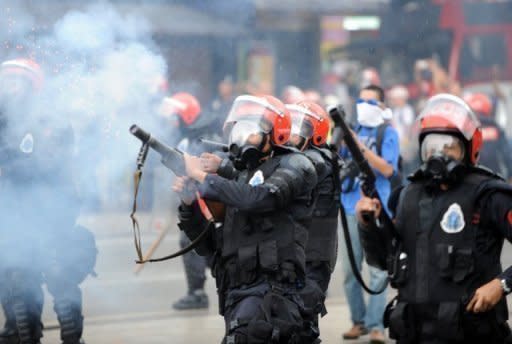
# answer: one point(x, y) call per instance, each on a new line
point(124, 308)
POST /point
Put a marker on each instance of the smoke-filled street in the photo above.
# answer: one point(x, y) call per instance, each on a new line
point(294, 157)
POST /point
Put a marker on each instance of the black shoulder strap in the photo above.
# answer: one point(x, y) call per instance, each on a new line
point(381, 129)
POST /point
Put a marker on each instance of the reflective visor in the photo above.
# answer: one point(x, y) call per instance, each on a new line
point(246, 133)
point(253, 109)
point(442, 144)
point(301, 121)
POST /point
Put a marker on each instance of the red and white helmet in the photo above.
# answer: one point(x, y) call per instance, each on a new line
point(310, 121)
point(184, 105)
point(448, 114)
point(24, 68)
point(267, 113)
point(479, 103)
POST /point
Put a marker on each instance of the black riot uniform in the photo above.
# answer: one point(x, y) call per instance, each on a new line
point(445, 265)
point(40, 242)
point(322, 246)
point(323, 235)
point(450, 222)
point(259, 255)
point(194, 264)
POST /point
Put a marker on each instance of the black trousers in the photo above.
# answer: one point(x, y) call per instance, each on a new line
point(262, 313)
point(195, 266)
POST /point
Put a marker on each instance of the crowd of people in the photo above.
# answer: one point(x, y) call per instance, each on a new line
point(283, 181)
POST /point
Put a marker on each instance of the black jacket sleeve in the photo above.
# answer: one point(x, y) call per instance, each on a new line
point(193, 223)
point(496, 212)
point(294, 177)
point(227, 170)
point(373, 238)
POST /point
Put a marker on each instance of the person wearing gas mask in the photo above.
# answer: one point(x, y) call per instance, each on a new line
point(310, 128)
point(495, 152)
point(382, 155)
point(450, 225)
point(183, 112)
point(259, 255)
point(39, 207)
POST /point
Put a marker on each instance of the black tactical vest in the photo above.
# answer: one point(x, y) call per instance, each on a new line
point(265, 245)
point(323, 232)
point(449, 253)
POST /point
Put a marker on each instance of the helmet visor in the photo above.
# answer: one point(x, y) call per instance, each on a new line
point(442, 144)
point(251, 108)
point(301, 122)
point(246, 133)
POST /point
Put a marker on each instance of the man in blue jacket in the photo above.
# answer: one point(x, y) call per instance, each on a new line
point(384, 161)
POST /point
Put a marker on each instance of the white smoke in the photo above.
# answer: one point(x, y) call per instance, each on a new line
point(103, 72)
point(104, 76)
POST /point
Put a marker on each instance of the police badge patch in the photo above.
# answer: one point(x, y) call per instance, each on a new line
point(257, 179)
point(453, 219)
point(27, 144)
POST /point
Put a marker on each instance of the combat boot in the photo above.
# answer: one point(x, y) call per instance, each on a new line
point(9, 335)
point(194, 300)
point(80, 341)
point(71, 321)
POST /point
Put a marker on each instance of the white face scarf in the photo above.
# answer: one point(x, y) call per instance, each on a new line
point(387, 114)
point(369, 115)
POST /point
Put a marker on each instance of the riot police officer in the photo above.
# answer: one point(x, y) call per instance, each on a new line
point(183, 112)
point(39, 208)
point(495, 153)
point(310, 127)
point(451, 221)
point(259, 255)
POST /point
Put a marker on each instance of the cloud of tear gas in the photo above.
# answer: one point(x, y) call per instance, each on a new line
point(103, 73)
point(16, 23)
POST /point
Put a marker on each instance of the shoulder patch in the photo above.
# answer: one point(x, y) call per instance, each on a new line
point(27, 144)
point(257, 179)
point(453, 219)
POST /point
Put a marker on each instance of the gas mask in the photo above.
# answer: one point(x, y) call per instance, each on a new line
point(246, 144)
point(443, 158)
